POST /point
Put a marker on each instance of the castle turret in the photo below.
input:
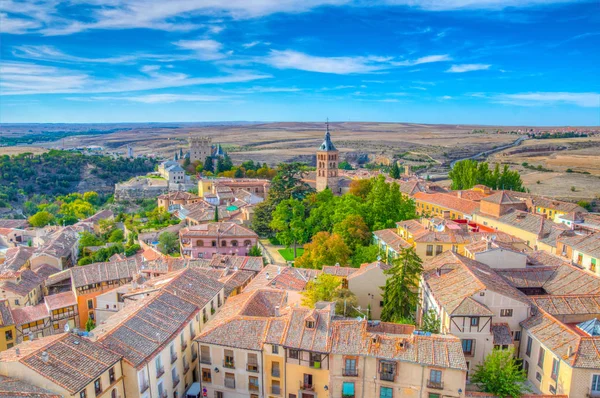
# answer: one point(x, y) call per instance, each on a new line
point(200, 148)
point(327, 165)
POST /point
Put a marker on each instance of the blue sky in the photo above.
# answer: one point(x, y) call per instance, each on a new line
point(509, 62)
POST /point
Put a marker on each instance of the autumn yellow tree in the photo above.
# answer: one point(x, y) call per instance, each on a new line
point(325, 249)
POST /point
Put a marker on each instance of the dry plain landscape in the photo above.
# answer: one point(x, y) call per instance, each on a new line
point(277, 142)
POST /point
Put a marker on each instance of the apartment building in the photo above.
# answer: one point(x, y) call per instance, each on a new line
point(8, 332)
point(365, 282)
point(371, 359)
point(67, 365)
point(473, 303)
point(89, 281)
point(206, 240)
point(154, 333)
point(583, 250)
point(176, 199)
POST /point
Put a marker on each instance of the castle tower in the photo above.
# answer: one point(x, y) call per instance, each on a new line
point(327, 165)
point(200, 148)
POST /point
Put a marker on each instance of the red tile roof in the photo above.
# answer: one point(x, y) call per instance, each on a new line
point(447, 201)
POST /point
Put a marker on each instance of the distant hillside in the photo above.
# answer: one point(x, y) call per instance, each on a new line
point(61, 172)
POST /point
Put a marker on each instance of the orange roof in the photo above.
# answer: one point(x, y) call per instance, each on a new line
point(448, 201)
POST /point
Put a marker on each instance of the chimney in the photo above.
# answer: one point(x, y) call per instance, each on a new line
point(45, 357)
point(569, 351)
point(267, 276)
point(278, 270)
point(459, 194)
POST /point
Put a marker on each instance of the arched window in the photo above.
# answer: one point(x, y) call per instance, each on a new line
point(234, 243)
point(113, 393)
point(200, 243)
point(214, 243)
point(223, 243)
point(247, 243)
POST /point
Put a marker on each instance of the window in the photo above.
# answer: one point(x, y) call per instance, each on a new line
point(455, 248)
point(429, 251)
point(526, 368)
point(97, 386)
point(293, 354)
point(310, 324)
point(555, 367)
point(506, 313)
point(90, 304)
point(528, 350)
point(350, 367)
point(252, 383)
point(435, 376)
point(82, 394)
point(475, 321)
point(16, 301)
point(8, 335)
point(348, 389)
point(315, 360)
point(111, 375)
point(517, 335)
point(541, 357)
point(174, 376)
point(468, 346)
point(538, 376)
point(206, 375)
point(596, 383)
point(218, 394)
point(158, 365)
point(229, 380)
point(387, 370)
point(113, 393)
point(275, 349)
point(229, 361)
point(252, 365)
point(386, 392)
point(438, 249)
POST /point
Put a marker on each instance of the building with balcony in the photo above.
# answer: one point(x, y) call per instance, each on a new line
point(372, 359)
point(473, 303)
point(154, 333)
point(67, 365)
point(206, 240)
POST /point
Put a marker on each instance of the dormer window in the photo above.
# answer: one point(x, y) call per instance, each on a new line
point(310, 324)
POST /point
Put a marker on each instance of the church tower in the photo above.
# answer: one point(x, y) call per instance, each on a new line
point(327, 165)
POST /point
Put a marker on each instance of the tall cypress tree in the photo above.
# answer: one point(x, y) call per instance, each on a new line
point(400, 294)
point(395, 170)
point(216, 213)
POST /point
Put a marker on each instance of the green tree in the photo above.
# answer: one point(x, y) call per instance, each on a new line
point(208, 164)
point(41, 219)
point(167, 242)
point(400, 293)
point(261, 221)
point(255, 251)
point(395, 170)
point(90, 325)
point(239, 173)
point(325, 249)
point(345, 303)
point(288, 221)
point(89, 239)
point(288, 182)
point(345, 166)
point(364, 255)
point(430, 322)
point(116, 236)
point(354, 231)
point(216, 218)
point(321, 289)
point(92, 197)
point(585, 204)
point(501, 375)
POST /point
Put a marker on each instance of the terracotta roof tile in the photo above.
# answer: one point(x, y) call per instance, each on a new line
point(60, 300)
point(447, 201)
point(13, 388)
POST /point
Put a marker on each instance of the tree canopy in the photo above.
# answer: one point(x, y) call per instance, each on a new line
point(501, 375)
point(325, 249)
point(468, 173)
point(321, 289)
point(288, 221)
point(400, 294)
point(168, 242)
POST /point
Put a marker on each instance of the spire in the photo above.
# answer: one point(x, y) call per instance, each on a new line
point(327, 145)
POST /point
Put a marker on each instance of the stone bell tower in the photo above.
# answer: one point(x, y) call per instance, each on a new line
point(327, 165)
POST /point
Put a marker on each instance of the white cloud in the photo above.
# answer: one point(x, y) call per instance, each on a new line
point(257, 89)
point(586, 100)
point(20, 78)
point(290, 59)
point(49, 17)
point(446, 97)
point(160, 98)
point(462, 68)
point(149, 68)
point(52, 54)
point(251, 44)
point(424, 60)
point(205, 49)
point(340, 87)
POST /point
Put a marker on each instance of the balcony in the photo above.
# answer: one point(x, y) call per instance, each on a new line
point(195, 356)
point(183, 346)
point(230, 383)
point(163, 394)
point(205, 360)
point(175, 382)
point(307, 386)
point(160, 372)
point(144, 386)
point(387, 376)
point(186, 367)
point(350, 372)
point(315, 364)
point(228, 363)
point(252, 367)
point(275, 372)
point(173, 358)
point(276, 390)
point(253, 387)
point(437, 385)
